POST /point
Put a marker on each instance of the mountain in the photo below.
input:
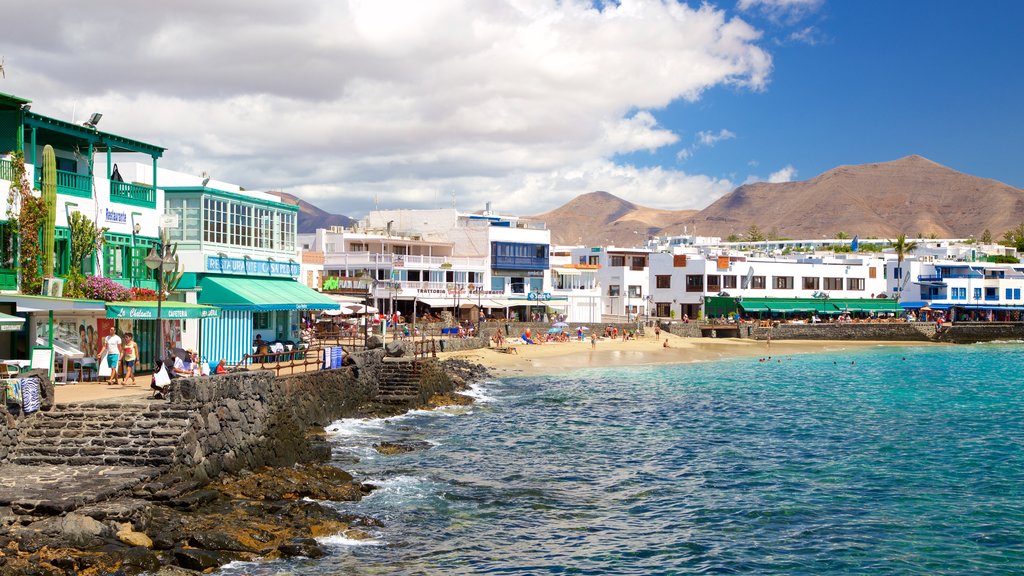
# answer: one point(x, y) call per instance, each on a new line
point(605, 219)
point(912, 195)
point(311, 217)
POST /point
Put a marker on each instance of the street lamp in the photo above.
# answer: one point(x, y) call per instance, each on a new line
point(158, 261)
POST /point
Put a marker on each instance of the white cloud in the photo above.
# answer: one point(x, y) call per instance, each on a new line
point(710, 138)
point(780, 7)
point(785, 174)
point(409, 100)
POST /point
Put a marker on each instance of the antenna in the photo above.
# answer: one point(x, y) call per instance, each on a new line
point(376, 202)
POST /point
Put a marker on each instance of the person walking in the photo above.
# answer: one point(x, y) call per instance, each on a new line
point(112, 350)
point(131, 355)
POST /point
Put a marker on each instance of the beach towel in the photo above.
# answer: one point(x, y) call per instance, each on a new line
point(30, 401)
point(14, 391)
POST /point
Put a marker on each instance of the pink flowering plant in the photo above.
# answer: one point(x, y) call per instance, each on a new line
point(100, 288)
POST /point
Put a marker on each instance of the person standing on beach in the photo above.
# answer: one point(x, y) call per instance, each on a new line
point(593, 341)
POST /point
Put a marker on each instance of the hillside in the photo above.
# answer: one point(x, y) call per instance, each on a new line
point(311, 217)
point(912, 195)
point(603, 218)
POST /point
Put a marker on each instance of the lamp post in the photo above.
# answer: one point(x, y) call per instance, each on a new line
point(158, 262)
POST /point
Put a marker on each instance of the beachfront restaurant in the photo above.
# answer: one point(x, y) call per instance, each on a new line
point(272, 308)
point(799, 308)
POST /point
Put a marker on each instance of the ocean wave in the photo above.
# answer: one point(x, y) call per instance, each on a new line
point(339, 540)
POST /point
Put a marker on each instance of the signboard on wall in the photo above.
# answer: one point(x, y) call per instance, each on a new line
point(256, 267)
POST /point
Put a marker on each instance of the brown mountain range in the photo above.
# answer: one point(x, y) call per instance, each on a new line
point(912, 195)
point(311, 217)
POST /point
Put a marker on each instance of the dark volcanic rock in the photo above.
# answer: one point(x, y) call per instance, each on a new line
point(307, 547)
point(402, 446)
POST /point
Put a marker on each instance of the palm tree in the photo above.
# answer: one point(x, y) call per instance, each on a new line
point(902, 247)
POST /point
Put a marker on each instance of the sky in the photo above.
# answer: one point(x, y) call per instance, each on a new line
point(527, 104)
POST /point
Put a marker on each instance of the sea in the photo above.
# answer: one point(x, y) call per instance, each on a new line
point(888, 460)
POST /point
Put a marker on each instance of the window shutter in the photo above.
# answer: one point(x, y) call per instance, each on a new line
point(109, 261)
point(138, 263)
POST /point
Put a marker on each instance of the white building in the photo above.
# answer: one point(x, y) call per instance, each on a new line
point(623, 276)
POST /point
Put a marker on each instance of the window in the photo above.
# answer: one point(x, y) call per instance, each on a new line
point(872, 272)
point(613, 290)
point(897, 273)
point(634, 292)
point(639, 263)
point(1016, 293)
point(991, 294)
point(757, 283)
point(663, 281)
point(811, 283)
point(679, 261)
point(497, 283)
point(728, 282)
point(518, 286)
point(618, 260)
point(260, 320)
point(536, 284)
point(694, 283)
point(833, 283)
point(1009, 293)
point(783, 282)
point(594, 260)
point(663, 309)
point(977, 293)
point(854, 283)
point(714, 284)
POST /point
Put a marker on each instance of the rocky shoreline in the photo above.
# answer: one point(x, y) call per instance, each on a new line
point(264, 514)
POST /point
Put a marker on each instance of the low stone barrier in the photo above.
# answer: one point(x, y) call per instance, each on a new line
point(245, 420)
point(895, 331)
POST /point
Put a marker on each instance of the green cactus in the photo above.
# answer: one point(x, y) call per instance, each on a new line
point(50, 199)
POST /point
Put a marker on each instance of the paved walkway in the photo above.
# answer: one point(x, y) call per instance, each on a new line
point(92, 391)
point(58, 489)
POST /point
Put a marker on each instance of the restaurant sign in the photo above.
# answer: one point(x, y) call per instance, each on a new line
point(168, 311)
point(257, 267)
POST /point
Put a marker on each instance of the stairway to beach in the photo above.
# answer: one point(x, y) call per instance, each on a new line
point(101, 434)
point(400, 380)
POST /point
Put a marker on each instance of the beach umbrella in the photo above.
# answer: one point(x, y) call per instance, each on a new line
point(584, 328)
point(554, 330)
point(333, 312)
point(559, 324)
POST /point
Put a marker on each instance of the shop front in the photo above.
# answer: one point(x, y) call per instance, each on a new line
point(270, 308)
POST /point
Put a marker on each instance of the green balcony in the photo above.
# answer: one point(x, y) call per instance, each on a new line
point(134, 194)
point(69, 183)
point(6, 170)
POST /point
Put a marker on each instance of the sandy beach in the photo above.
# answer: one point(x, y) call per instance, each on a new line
point(531, 360)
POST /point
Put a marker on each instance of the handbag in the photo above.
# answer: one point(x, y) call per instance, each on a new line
point(104, 367)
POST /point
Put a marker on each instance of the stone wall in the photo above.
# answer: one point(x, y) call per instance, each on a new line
point(245, 420)
point(896, 332)
point(686, 330)
point(968, 332)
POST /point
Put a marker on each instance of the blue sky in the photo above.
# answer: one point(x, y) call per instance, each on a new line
point(881, 80)
point(352, 104)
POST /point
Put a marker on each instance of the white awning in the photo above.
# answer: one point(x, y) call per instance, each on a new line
point(438, 302)
point(567, 271)
point(342, 299)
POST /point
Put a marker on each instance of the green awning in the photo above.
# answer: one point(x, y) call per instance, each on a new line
point(10, 323)
point(868, 305)
point(755, 307)
point(261, 294)
point(147, 310)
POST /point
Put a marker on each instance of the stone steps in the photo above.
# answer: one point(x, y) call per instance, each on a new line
point(101, 434)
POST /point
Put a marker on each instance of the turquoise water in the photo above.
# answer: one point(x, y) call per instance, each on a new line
point(884, 461)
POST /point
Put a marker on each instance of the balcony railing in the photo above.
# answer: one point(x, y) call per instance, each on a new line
point(69, 183)
point(134, 194)
point(390, 260)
